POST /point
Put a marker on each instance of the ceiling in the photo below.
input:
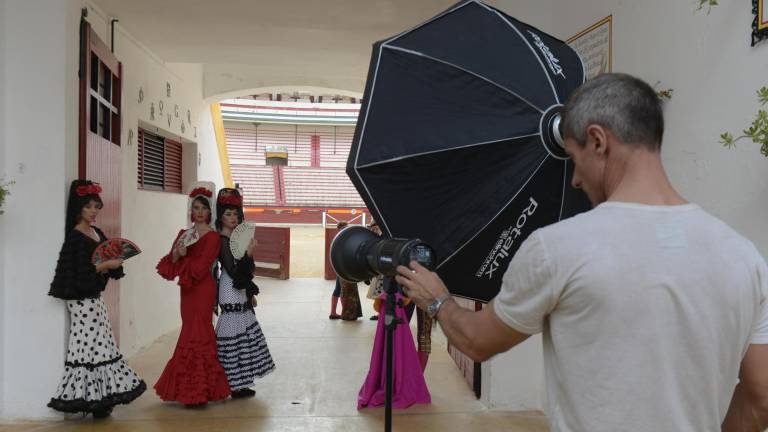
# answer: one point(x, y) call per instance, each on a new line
point(250, 31)
point(245, 45)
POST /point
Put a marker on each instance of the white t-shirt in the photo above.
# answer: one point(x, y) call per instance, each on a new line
point(647, 312)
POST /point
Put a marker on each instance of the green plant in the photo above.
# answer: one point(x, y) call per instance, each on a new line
point(708, 3)
point(665, 94)
point(757, 131)
point(4, 192)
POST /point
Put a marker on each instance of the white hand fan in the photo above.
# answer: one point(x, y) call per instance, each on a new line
point(240, 238)
point(188, 238)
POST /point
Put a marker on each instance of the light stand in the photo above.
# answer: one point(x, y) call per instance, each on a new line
point(390, 322)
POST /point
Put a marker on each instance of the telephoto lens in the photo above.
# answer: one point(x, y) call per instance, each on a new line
point(357, 254)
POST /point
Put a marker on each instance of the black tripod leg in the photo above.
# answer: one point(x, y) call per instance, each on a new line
point(391, 321)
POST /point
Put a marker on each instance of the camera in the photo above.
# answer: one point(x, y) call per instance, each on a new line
point(357, 254)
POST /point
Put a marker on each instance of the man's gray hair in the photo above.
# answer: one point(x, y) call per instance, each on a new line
point(625, 105)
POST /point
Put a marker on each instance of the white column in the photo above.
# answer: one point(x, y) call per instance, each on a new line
point(514, 380)
point(38, 126)
point(3, 62)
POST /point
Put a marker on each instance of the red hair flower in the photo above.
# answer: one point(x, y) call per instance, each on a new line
point(91, 189)
point(232, 200)
point(200, 191)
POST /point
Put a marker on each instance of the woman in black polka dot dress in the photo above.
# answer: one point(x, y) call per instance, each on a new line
point(96, 378)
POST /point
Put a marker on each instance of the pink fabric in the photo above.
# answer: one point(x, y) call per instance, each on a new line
point(408, 386)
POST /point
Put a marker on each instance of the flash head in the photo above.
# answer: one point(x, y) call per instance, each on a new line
point(357, 254)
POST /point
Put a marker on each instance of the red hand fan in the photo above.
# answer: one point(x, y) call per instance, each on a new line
point(114, 248)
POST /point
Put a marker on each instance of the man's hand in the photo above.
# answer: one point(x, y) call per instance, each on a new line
point(420, 285)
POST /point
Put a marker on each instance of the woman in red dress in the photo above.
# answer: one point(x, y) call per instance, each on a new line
point(194, 376)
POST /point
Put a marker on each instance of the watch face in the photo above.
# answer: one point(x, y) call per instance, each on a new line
point(432, 308)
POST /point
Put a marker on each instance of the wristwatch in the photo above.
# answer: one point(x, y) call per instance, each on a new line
point(434, 307)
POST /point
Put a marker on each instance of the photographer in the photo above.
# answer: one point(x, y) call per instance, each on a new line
point(653, 312)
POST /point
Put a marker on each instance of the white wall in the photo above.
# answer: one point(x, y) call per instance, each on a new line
point(514, 380)
point(36, 141)
point(3, 62)
point(714, 72)
point(38, 149)
point(229, 79)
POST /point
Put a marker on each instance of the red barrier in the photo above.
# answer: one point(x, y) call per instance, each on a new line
point(273, 252)
point(330, 233)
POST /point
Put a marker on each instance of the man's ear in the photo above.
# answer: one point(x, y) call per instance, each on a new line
point(597, 139)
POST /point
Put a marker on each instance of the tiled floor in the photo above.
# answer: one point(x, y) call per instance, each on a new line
point(321, 365)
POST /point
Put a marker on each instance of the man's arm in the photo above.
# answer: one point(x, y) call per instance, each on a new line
point(480, 335)
point(749, 406)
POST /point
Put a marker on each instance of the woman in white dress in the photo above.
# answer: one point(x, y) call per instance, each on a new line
point(96, 378)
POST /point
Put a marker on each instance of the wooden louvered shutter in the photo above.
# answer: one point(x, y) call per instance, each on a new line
point(172, 166)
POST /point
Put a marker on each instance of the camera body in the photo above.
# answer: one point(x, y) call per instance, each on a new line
point(357, 254)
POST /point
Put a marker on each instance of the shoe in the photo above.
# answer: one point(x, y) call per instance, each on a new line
point(374, 318)
point(243, 393)
point(334, 316)
point(102, 413)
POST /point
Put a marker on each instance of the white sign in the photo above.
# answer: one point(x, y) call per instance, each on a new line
point(594, 47)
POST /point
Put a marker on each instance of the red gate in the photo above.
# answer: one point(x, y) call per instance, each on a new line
point(273, 252)
point(330, 233)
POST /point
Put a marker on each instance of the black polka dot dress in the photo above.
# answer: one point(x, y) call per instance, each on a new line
point(241, 346)
point(96, 377)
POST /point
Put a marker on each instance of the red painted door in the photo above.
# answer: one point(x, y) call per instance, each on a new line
point(99, 148)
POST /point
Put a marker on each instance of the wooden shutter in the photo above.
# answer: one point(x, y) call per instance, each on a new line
point(160, 163)
point(172, 166)
point(152, 161)
point(140, 165)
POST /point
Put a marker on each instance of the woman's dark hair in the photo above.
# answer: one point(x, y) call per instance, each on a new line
point(81, 192)
point(222, 206)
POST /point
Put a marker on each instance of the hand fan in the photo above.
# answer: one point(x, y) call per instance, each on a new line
point(240, 238)
point(188, 238)
point(114, 248)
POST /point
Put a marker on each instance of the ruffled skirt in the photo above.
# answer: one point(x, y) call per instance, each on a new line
point(96, 378)
point(194, 375)
point(242, 349)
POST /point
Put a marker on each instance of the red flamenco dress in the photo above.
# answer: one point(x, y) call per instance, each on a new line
point(194, 375)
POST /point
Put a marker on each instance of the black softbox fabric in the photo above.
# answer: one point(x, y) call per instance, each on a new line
point(451, 145)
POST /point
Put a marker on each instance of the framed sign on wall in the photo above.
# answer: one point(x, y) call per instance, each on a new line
point(760, 24)
point(594, 45)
